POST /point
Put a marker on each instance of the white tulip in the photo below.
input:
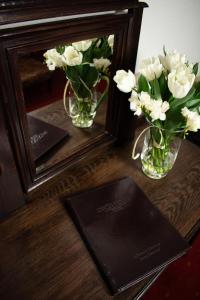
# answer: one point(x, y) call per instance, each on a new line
point(135, 103)
point(151, 68)
point(72, 57)
point(111, 41)
point(82, 45)
point(180, 81)
point(173, 60)
point(192, 119)
point(101, 63)
point(146, 100)
point(53, 59)
point(125, 80)
point(155, 108)
point(158, 109)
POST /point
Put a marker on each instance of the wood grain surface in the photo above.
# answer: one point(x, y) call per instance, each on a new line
point(19, 41)
point(42, 254)
point(11, 193)
point(25, 10)
point(55, 114)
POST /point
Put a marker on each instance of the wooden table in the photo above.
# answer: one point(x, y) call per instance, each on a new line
point(55, 114)
point(42, 254)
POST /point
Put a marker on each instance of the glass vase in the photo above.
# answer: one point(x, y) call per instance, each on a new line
point(159, 152)
point(82, 110)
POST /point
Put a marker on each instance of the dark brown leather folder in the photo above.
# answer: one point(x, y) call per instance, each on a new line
point(43, 136)
point(126, 234)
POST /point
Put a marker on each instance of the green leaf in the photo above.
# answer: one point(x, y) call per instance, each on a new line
point(82, 74)
point(195, 68)
point(179, 103)
point(174, 120)
point(155, 89)
point(143, 84)
point(72, 73)
point(164, 90)
point(60, 49)
point(193, 103)
point(87, 56)
point(164, 50)
point(103, 50)
point(88, 74)
point(197, 86)
point(91, 77)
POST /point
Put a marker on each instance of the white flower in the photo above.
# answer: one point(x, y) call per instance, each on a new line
point(173, 60)
point(53, 59)
point(180, 81)
point(111, 41)
point(192, 119)
point(135, 104)
point(72, 57)
point(151, 68)
point(146, 100)
point(101, 63)
point(82, 45)
point(125, 80)
point(158, 109)
point(155, 108)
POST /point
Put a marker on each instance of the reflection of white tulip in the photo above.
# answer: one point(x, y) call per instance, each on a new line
point(53, 59)
point(111, 41)
point(82, 45)
point(125, 80)
point(151, 68)
point(145, 100)
point(72, 57)
point(180, 81)
point(173, 60)
point(192, 119)
point(101, 63)
point(135, 104)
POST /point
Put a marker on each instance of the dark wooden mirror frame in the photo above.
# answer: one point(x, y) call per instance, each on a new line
point(18, 41)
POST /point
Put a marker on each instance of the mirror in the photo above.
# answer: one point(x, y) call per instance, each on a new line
point(74, 57)
point(65, 91)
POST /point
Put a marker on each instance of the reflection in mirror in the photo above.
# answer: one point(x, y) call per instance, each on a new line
point(65, 93)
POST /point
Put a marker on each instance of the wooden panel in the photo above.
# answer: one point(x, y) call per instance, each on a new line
point(55, 114)
point(43, 254)
point(11, 195)
point(21, 10)
point(20, 41)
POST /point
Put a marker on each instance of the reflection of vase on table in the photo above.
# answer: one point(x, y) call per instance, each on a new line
point(82, 109)
point(85, 64)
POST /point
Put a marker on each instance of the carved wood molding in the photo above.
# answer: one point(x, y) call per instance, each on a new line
point(26, 3)
point(12, 11)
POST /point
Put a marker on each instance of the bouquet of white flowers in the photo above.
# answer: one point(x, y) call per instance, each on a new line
point(167, 92)
point(85, 63)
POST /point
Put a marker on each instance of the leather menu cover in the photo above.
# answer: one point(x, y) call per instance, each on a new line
point(126, 234)
point(43, 136)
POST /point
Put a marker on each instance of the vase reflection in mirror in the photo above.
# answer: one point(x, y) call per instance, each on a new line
point(86, 65)
point(65, 94)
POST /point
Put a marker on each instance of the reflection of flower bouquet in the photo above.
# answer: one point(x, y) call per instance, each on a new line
point(85, 63)
point(167, 92)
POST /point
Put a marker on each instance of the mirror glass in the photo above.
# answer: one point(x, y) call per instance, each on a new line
point(65, 92)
